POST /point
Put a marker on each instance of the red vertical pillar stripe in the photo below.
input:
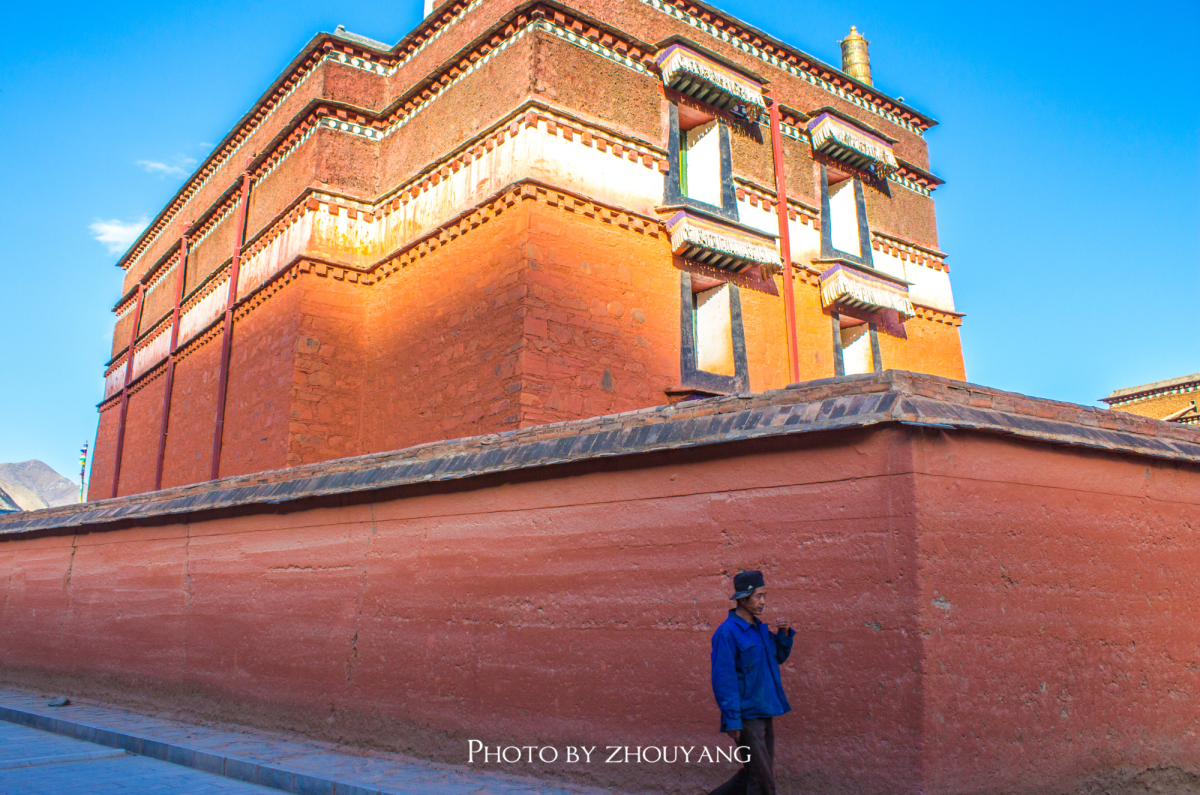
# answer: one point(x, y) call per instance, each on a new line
point(227, 331)
point(133, 333)
point(785, 244)
point(180, 281)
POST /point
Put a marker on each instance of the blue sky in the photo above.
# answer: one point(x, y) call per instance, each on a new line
point(1069, 139)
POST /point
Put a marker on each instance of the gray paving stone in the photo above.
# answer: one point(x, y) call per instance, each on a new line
point(108, 775)
point(55, 759)
point(229, 759)
point(241, 769)
point(312, 785)
point(277, 778)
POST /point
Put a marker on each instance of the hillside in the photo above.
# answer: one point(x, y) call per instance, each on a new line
point(39, 479)
point(7, 503)
point(23, 498)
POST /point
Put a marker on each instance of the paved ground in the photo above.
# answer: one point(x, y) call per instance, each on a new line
point(34, 762)
point(44, 761)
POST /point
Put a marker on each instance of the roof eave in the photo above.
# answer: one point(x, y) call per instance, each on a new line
point(925, 118)
point(305, 52)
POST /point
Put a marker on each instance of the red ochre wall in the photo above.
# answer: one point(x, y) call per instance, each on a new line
point(261, 379)
point(553, 309)
point(930, 346)
point(444, 340)
point(193, 411)
point(975, 614)
point(140, 454)
point(1060, 610)
point(104, 452)
point(326, 389)
point(602, 317)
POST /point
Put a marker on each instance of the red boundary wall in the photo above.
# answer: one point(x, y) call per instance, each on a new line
point(976, 613)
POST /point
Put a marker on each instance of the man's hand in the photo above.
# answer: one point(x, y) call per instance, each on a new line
point(735, 735)
point(782, 625)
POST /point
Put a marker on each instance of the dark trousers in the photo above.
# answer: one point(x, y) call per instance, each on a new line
point(757, 777)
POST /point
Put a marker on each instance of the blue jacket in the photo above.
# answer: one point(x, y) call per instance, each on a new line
point(745, 670)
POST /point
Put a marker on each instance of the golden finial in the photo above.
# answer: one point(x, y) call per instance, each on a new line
point(856, 61)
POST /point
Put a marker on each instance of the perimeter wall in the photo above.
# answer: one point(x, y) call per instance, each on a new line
point(975, 613)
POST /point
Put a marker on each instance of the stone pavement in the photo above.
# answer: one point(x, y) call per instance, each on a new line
point(33, 762)
point(108, 750)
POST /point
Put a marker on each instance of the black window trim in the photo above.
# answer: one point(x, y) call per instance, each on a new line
point(690, 375)
point(672, 185)
point(828, 252)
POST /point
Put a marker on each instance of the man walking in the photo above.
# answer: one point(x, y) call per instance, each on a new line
point(745, 678)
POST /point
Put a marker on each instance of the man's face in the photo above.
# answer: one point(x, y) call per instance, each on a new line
point(756, 602)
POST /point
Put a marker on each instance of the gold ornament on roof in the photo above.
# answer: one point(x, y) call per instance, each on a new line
point(856, 61)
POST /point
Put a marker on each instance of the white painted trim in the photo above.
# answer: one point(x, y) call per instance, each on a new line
point(114, 382)
point(927, 286)
point(1159, 393)
point(204, 312)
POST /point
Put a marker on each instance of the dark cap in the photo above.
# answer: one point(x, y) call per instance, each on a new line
point(746, 582)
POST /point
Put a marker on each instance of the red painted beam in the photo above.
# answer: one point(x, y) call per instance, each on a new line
point(785, 244)
point(166, 407)
point(133, 332)
point(227, 331)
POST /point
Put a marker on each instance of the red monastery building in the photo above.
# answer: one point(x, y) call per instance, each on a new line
point(1173, 400)
point(522, 213)
point(450, 393)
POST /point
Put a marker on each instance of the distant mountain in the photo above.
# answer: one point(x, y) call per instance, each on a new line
point(37, 480)
point(7, 503)
point(22, 498)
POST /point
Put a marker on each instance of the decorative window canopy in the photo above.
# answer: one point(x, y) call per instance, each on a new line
point(846, 143)
point(850, 287)
point(720, 244)
point(707, 80)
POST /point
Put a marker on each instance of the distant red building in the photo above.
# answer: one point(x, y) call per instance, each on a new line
point(1173, 400)
point(522, 213)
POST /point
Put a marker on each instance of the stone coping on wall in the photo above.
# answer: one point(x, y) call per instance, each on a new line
point(891, 397)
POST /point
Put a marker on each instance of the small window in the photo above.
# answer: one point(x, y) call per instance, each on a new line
point(844, 230)
point(714, 330)
point(843, 217)
point(701, 173)
point(712, 344)
point(856, 344)
point(856, 349)
point(700, 163)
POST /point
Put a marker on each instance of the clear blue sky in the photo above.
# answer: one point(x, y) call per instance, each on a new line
point(1069, 139)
